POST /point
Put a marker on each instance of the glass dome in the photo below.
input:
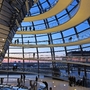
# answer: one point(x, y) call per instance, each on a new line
point(40, 35)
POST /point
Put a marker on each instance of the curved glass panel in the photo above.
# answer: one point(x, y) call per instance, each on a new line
point(42, 6)
point(70, 45)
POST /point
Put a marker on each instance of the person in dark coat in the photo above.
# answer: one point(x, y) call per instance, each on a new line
point(36, 78)
point(50, 88)
point(46, 84)
point(70, 81)
point(84, 80)
point(74, 80)
point(21, 77)
point(24, 77)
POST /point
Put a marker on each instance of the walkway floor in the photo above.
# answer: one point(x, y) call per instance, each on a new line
point(55, 84)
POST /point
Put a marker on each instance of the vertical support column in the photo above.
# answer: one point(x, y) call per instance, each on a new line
point(64, 42)
point(8, 67)
point(8, 60)
point(51, 40)
point(78, 38)
point(51, 48)
point(37, 55)
point(38, 61)
point(23, 53)
point(36, 48)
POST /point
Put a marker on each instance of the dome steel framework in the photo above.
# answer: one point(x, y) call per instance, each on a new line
point(50, 35)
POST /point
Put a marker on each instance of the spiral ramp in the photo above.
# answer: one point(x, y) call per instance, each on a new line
point(82, 14)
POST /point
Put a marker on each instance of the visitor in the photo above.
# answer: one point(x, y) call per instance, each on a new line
point(24, 77)
point(50, 88)
point(84, 80)
point(46, 84)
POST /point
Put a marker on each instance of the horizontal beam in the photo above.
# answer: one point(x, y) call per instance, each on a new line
point(82, 14)
point(80, 42)
point(61, 61)
point(61, 5)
